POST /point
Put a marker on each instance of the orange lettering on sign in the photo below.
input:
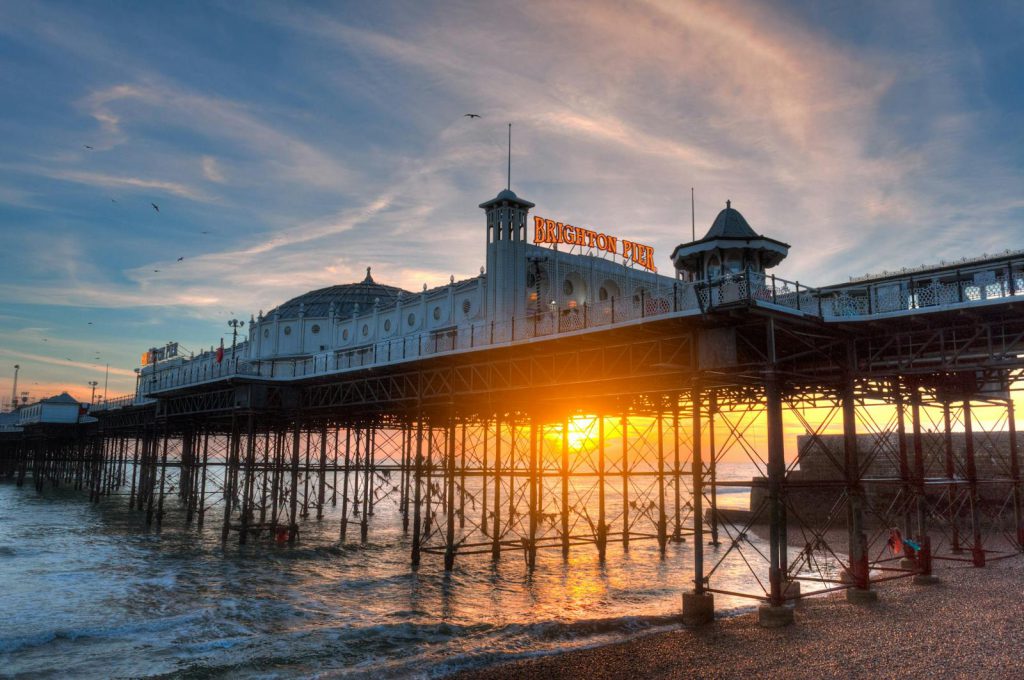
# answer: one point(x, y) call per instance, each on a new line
point(548, 231)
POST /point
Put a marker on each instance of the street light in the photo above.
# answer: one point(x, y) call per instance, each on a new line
point(93, 384)
point(235, 325)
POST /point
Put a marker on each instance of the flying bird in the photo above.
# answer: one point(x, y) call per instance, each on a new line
point(156, 271)
point(87, 147)
point(113, 200)
point(204, 232)
point(155, 207)
point(471, 115)
point(181, 258)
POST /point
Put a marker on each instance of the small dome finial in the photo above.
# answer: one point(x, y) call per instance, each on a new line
point(728, 204)
point(368, 279)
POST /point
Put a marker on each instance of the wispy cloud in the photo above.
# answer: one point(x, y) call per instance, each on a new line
point(216, 120)
point(212, 170)
point(102, 180)
point(70, 363)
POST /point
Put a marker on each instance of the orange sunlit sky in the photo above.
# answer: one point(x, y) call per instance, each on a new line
point(288, 147)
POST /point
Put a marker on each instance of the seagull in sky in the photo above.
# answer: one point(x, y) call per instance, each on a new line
point(87, 147)
point(471, 115)
point(113, 200)
point(89, 323)
point(156, 271)
point(155, 207)
point(204, 232)
point(181, 258)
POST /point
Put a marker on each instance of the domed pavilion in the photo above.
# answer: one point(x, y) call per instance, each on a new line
point(730, 247)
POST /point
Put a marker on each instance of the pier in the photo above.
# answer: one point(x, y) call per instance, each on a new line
point(570, 426)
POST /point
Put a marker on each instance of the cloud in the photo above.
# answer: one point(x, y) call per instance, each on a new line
point(212, 170)
point(156, 101)
point(53, 361)
point(103, 180)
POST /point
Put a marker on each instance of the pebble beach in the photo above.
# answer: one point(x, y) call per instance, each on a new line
point(970, 624)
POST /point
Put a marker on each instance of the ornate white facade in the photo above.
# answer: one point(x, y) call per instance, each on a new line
point(524, 291)
point(528, 293)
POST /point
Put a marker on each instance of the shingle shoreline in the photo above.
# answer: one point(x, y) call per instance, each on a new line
point(971, 624)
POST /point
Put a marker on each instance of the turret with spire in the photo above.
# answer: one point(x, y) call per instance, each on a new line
point(506, 249)
point(729, 247)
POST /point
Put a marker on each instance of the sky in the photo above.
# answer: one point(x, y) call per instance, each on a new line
point(289, 146)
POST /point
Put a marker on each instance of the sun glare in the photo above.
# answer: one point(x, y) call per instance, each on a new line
point(582, 434)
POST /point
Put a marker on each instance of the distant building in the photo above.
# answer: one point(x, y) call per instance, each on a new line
point(62, 409)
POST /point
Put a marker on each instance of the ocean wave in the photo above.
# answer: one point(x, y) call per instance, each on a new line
point(17, 643)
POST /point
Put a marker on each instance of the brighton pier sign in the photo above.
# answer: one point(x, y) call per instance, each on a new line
point(550, 231)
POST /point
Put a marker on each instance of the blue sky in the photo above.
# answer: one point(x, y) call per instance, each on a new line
point(312, 140)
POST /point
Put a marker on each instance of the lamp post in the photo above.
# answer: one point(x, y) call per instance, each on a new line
point(235, 325)
point(93, 384)
point(14, 389)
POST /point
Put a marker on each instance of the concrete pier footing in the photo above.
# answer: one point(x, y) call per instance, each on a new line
point(861, 595)
point(698, 608)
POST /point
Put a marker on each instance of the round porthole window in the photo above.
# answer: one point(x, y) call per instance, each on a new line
point(315, 329)
point(412, 319)
point(437, 313)
point(287, 330)
point(387, 325)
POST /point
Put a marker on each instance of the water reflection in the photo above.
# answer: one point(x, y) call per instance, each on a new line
point(88, 588)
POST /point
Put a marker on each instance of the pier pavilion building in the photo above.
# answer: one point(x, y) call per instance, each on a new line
point(573, 279)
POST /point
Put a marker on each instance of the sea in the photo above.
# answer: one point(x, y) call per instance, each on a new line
point(87, 591)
